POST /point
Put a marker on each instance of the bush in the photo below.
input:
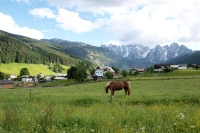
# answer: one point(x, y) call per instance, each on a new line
point(167, 70)
point(109, 75)
point(124, 73)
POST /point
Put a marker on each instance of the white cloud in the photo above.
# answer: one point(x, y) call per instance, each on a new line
point(26, 1)
point(42, 12)
point(67, 20)
point(9, 25)
point(143, 22)
point(96, 6)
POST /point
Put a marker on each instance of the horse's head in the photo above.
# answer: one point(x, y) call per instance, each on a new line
point(107, 87)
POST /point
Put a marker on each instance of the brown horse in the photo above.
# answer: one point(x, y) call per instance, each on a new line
point(118, 85)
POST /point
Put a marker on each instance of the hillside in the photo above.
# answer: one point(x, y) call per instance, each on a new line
point(188, 59)
point(98, 55)
point(34, 69)
point(20, 49)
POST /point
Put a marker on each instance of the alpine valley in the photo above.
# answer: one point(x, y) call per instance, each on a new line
point(16, 48)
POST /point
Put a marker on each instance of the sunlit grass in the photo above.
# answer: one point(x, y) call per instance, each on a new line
point(154, 106)
point(34, 69)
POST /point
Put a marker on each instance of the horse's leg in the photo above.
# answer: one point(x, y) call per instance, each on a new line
point(125, 91)
point(112, 94)
point(129, 91)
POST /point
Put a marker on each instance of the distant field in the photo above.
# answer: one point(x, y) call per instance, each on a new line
point(34, 69)
point(155, 106)
point(187, 73)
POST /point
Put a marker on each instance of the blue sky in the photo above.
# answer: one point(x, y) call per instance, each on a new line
point(96, 22)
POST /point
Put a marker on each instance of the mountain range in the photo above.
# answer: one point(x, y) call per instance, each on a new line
point(124, 56)
point(27, 50)
point(155, 55)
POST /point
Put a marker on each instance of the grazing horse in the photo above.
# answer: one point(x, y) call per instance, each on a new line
point(118, 85)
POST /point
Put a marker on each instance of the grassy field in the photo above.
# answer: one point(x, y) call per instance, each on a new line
point(186, 73)
point(155, 106)
point(34, 69)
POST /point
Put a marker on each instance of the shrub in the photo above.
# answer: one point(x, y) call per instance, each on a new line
point(109, 75)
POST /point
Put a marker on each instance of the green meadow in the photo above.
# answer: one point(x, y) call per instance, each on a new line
point(34, 69)
point(155, 106)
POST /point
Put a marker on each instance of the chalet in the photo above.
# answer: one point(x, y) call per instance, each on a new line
point(140, 70)
point(191, 66)
point(13, 76)
point(61, 76)
point(98, 74)
point(47, 78)
point(161, 67)
point(8, 84)
point(104, 69)
point(101, 70)
point(27, 78)
point(158, 68)
point(174, 67)
point(182, 66)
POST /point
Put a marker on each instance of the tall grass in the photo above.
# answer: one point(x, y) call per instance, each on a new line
point(154, 106)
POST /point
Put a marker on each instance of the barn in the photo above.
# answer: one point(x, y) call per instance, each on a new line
point(7, 84)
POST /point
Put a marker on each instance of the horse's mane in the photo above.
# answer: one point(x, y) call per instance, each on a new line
point(108, 84)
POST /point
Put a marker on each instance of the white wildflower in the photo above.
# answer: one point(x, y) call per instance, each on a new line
point(142, 129)
point(192, 126)
point(182, 116)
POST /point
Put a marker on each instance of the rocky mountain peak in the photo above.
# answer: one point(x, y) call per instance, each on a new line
point(154, 55)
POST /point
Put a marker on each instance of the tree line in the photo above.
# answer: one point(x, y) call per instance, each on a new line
point(13, 50)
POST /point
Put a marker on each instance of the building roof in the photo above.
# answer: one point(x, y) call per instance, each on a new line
point(182, 65)
point(139, 69)
point(6, 82)
point(106, 68)
point(61, 75)
point(60, 78)
point(174, 66)
point(26, 76)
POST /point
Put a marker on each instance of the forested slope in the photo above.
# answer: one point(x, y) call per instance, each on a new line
point(19, 49)
point(188, 59)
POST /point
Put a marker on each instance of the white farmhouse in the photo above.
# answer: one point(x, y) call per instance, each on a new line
point(182, 66)
point(101, 70)
point(61, 76)
point(27, 78)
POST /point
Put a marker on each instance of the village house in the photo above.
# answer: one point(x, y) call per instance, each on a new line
point(27, 78)
point(13, 76)
point(140, 70)
point(100, 72)
point(182, 66)
point(61, 76)
point(174, 67)
point(158, 68)
point(7, 84)
point(161, 67)
point(192, 66)
point(47, 78)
